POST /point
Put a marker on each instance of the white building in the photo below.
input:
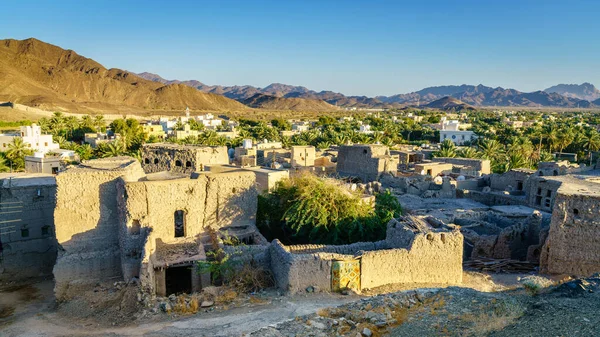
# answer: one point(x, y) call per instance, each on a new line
point(32, 138)
point(453, 130)
point(457, 137)
point(209, 121)
point(167, 124)
point(300, 127)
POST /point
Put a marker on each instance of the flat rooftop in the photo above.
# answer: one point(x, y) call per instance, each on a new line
point(586, 183)
point(112, 163)
point(26, 179)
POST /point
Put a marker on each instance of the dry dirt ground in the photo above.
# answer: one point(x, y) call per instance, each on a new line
point(490, 305)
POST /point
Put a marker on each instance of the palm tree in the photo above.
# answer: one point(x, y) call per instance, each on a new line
point(445, 153)
point(85, 151)
point(17, 150)
point(490, 148)
point(99, 123)
point(86, 122)
point(377, 137)
point(62, 142)
point(71, 124)
point(517, 160)
point(3, 166)
point(112, 149)
point(447, 149)
point(592, 143)
point(467, 152)
point(563, 139)
point(44, 124)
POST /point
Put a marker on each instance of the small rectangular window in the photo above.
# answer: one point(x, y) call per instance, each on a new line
point(24, 232)
point(45, 230)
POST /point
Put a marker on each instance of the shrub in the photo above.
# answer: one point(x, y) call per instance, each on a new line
point(534, 284)
point(309, 209)
point(230, 268)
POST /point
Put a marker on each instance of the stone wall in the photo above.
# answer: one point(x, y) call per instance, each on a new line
point(296, 272)
point(408, 255)
point(431, 258)
point(572, 246)
point(221, 201)
point(482, 166)
point(513, 180)
point(541, 192)
point(493, 198)
point(87, 225)
point(27, 227)
point(366, 162)
point(182, 159)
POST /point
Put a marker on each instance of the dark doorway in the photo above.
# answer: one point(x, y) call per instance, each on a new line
point(178, 280)
point(519, 185)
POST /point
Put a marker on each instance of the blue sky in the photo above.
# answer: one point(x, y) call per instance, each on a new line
point(354, 47)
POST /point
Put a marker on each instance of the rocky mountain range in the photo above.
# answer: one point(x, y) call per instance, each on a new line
point(39, 74)
point(564, 96)
point(585, 91)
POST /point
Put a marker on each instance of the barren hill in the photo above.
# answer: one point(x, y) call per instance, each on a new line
point(36, 73)
point(282, 103)
point(449, 103)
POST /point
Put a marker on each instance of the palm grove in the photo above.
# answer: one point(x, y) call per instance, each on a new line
point(505, 146)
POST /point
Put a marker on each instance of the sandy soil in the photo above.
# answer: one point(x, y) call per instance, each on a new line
point(31, 311)
point(107, 310)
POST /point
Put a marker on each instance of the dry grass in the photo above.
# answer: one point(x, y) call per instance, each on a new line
point(227, 296)
point(493, 317)
point(250, 278)
point(376, 332)
point(185, 306)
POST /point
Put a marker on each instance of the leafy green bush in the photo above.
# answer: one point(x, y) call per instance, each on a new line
point(309, 209)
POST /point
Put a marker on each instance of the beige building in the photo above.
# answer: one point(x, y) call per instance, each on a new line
point(155, 130)
point(113, 221)
point(433, 169)
point(303, 155)
point(40, 163)
point(97, 138)
point(186, 132)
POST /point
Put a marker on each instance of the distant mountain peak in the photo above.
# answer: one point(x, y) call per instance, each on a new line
point(584, 91)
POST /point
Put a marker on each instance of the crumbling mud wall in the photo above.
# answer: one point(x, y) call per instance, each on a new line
point(27, 241)
point(480, 166)
point(408, 255)
point(512, 181)
point(501, 235)
point(87, 225)
point(224, 202)
point(366, 162)
point(296, 272)
point(182, 159)
point(572, 246)
point(541, 192)
point(424, 255)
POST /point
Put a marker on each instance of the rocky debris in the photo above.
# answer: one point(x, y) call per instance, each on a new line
point(500, 265)
point(206, 304)
point(579, 287)
point(367, 317)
